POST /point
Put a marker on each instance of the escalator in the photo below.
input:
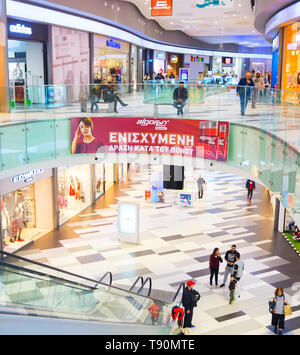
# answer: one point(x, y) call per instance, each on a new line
point(39, 293)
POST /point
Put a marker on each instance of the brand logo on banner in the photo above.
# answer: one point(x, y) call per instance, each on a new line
point(20, 29)
point(161, 8)
point(206, 3)
point(27, 176)
point(174, 59)
point(192, 138)
point(113, 44)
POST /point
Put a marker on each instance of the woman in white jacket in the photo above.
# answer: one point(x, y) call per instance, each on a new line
point(259, 86)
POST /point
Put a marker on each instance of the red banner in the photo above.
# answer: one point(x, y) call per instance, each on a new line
point(161, 8)
point(193, 138)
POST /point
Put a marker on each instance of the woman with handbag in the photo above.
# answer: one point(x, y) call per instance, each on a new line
point(278, 312)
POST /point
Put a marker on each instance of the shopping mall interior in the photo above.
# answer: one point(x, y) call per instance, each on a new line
point(150, 168)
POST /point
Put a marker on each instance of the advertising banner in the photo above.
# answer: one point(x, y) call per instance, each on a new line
point(161, 8)
point(191, 138)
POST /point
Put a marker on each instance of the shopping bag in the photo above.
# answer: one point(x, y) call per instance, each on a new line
point(288, 310)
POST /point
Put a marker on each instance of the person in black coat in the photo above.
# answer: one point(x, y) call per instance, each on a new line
point(244, 90)
point(190, 298)
point(180, 97)
point(250, 186)
point(109, 95)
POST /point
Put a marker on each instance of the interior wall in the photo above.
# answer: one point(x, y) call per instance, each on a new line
point(44, 199)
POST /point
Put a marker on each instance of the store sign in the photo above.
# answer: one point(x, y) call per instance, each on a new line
point(174, 59)
point(155, 136)
point(160, 55)
point(161, 8)
point(20, 29)
point(184, 73)
point(197, 59)
point(276, 43)
point(206, 3)
point(27, 176)
point(113, 44)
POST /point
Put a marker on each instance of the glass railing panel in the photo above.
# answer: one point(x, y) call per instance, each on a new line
point(40, 140)
point(62, 137)
point(13, 145)
point(235, 146)
point(296, 204)
point(265, 152)
point(38, 107)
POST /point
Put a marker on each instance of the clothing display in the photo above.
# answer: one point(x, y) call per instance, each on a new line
point(73, 189)
point(18, 214)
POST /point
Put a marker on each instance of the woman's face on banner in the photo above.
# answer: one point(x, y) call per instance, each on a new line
point(84, 129)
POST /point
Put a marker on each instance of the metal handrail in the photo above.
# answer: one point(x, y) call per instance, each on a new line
point(182, 285)
point(45, 266)
point(66, 273)
point(148, 279)
point(135, 282)
point(103, 277)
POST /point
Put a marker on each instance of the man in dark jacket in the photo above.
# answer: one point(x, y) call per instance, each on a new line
point(244, 89)
point(190, 298)
point(110, 96)
point(250, 185)
point(180, 97)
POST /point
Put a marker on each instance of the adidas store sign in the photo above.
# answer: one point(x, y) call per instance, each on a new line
point(20, 29)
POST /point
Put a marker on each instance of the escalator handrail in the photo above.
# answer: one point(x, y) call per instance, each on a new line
point(45, 266)
point(103, 277)
point(182, 286)
point(148, 279)
point(135, 282)
point(67, 273)
point(59, 279)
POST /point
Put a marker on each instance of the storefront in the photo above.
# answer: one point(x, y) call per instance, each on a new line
point(111, 60)
point(110, 176)
point(291, 61)
point(198, 66)
point(25, 216)
point(27, 60)
point(175, 62)
point(275, 61)
point(159, 62)
point(74, 191)
point(99, 180)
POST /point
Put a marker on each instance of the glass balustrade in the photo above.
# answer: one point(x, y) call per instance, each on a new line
point(27, 291)
point(264, 142)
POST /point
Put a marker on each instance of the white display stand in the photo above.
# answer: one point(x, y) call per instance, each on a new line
point(129, 222)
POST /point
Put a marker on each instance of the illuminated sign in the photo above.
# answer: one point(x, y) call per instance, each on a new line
point(174, 59)
point(197, 59)
point(113, 44)
point(161, 7)
point(27, 176)
point(206, 3)
point(20, 29)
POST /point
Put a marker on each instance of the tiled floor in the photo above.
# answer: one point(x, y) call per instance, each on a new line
point(177, 242)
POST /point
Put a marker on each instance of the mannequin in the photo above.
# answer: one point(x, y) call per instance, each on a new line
point(5, 223)
point(20, 216)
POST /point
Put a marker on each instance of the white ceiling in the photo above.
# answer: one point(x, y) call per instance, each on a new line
point(206, 24)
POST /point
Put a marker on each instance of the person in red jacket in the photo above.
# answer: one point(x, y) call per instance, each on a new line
point(214, 264)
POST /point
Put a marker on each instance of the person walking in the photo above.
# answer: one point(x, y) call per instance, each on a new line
point(180, 96)
point(250, 186)
point(214, 264)
point(244, 91)
point(259, 85)
point(278, 317)
point(190, 297)
point(230, 258)
point(200, 183)
point(237, 272)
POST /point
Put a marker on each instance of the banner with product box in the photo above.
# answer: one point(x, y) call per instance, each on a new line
point(192, 138)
